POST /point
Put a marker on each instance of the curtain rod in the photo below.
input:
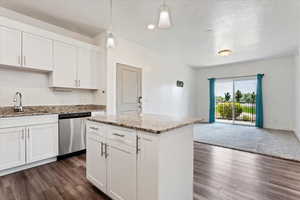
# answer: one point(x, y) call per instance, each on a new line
point(233, 77)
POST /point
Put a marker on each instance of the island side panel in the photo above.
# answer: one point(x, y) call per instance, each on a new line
point(165, 165)
point(176, 157)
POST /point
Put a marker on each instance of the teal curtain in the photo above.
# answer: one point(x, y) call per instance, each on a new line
point(259, 102)
point(212, 100)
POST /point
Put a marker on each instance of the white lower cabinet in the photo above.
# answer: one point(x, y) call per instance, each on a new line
point(12, 147)
point(121, 172)
point(147, 169)
point(42, 142)
point(96, 163)
point(112, 161)
point(25, 141)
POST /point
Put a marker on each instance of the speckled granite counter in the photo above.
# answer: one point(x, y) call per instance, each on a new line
point(148, 122)
point(46, 110)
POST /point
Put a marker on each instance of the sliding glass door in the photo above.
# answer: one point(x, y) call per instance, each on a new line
point(224, 101)
point(236, 100)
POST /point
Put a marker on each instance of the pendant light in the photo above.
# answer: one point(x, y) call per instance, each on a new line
point(164, 20)
point(110, 39)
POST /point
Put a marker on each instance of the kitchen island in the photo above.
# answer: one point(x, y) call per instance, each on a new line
point(149, 157)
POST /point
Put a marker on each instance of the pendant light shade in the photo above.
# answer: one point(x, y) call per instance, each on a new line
point(110, 41)
point(164, 21)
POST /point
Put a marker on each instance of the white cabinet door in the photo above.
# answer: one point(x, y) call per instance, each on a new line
point(85, 70)
point(96, 163)
point(98, 62)
point(121, 172)
point(37, 52)
point(42, 142)
point(147, 168)
point(10, 46)
point(12, 147)
point(65, 65)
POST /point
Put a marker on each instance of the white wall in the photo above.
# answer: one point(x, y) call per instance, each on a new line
point(297, 95)
point(278, 88)
point(34, 87)
point(160, 94)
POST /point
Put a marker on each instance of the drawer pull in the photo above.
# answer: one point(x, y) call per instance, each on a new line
point(119, 135)
point(94, 128)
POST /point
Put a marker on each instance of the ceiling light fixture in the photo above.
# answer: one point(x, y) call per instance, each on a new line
point(110, 39)
point(164, 20)
point(225, 52)
point(151, 26)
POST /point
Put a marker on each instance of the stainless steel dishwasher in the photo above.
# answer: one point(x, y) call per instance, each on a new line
point(72, 134)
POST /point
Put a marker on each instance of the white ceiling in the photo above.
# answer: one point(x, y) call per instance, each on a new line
point(252, 29)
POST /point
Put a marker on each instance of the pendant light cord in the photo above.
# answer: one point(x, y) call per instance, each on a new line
point(111, 14)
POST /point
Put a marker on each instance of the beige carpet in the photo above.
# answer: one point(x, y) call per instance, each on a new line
point(283, 144)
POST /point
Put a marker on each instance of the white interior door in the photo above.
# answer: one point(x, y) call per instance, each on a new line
point(37, 52)
point(42, 142)
point(12, 147)
point(10, 46)
point(129, 89)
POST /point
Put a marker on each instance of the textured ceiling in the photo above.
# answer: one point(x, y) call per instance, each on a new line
point(252, 29)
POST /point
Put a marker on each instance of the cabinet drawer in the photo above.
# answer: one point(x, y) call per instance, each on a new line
point(123, 136)
point(96, 130)
point(12, 122)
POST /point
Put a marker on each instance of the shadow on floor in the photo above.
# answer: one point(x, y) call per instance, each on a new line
point(283, 144)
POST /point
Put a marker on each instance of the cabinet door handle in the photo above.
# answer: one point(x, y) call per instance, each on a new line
point(19, 60)
point(79, 82)
point(94, 128)
point(102, 152)
point(106, 153)
point(119, 135)
point(24, 60)
point(28, 133)
point(22, 136)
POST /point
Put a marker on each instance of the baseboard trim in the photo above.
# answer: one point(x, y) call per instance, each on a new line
point(27, 166)
point(272, 129)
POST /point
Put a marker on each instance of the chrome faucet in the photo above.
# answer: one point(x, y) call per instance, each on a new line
point(18, 107)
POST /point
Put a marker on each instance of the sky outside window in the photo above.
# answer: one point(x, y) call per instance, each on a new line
point(245, 86)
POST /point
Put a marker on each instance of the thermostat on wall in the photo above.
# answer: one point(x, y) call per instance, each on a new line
point(180, 83)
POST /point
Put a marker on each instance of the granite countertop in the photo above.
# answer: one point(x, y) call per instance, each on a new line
point(147, 122)
point(46, 110)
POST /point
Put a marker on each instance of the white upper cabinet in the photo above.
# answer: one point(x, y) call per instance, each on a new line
point(65, 66)
point(10, 46)
point(37, 52)
point(73, 67)
point(73, 63)
point(86, 69)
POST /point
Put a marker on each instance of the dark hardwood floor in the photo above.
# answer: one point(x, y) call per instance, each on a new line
point(220, 174)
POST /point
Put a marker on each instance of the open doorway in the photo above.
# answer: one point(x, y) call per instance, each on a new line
point(236, 101)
